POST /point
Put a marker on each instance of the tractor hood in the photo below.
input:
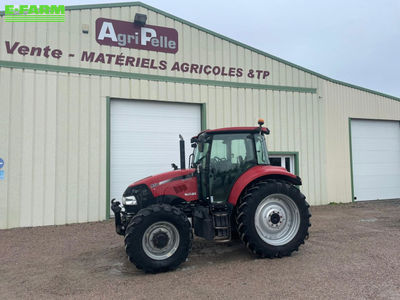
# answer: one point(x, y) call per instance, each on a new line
point(155, 180)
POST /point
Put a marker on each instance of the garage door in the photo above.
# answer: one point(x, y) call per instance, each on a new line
point(145, 139)
point(376, 159)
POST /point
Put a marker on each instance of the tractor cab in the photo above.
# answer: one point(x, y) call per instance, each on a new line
point(222, 155)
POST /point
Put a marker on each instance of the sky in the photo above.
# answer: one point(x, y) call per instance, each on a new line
point(354, 41)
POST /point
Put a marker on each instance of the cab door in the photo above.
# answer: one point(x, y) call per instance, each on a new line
point(231, 155)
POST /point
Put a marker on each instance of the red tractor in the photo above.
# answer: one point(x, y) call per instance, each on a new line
point(231, 189)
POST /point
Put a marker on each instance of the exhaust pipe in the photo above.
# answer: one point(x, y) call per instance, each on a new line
point(182, 151)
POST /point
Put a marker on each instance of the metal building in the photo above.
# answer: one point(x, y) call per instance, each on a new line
point(96, 102)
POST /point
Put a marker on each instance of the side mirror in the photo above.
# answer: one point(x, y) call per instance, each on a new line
point(191, 159)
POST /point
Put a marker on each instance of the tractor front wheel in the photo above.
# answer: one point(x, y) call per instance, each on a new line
point(273, 218)
point(158, 238)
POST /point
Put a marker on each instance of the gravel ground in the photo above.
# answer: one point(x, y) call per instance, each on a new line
point(353, 252)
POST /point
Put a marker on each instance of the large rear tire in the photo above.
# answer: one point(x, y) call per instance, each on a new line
point(158, 238)
point(273, 218)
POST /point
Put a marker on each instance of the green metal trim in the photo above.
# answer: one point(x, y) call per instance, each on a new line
point(108, 155)
point(108, 73)
point(203, 116)
point(351, 162)
point(109, 5)
point(296, 158)
point(129, 4)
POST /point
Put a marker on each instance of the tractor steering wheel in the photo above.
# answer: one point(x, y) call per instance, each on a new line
point(217, 159)
point(216, 162)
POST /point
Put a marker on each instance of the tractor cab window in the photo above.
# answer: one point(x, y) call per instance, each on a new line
point(218, 150)
point(261, 149)
point(200, 153)
point(231, 155)
point(239, 151)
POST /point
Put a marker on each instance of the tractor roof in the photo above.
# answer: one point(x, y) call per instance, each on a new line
point(236, 130)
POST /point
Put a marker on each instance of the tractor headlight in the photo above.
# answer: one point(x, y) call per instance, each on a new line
point(129, 200)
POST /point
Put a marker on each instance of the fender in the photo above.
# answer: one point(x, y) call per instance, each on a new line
point(256, 172)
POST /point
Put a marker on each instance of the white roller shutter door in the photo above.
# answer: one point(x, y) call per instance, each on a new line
point(145, 139)
point(376, 159)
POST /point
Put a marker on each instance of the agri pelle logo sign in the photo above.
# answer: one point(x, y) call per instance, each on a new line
point(126, 34)
point(34, 13)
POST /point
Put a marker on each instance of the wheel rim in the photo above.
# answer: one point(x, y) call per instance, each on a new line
point(277, 219)
point(160, 240)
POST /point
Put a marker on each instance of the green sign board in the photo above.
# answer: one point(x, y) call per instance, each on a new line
point(34, 13)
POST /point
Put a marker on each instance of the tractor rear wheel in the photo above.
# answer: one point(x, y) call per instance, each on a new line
point(158, 238)
point(273, 218)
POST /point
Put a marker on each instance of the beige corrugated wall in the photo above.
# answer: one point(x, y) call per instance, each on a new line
point(54, 137)
point(53, 124)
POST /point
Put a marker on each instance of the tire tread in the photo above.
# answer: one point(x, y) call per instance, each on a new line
point(243, 229)
point(137, 222)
